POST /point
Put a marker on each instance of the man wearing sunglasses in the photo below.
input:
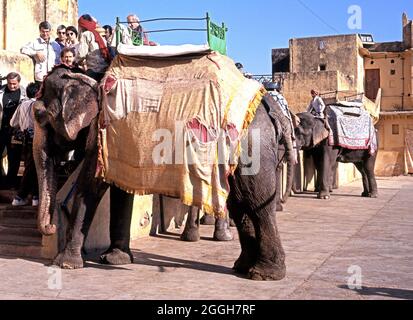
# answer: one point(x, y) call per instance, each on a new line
point(61, 36)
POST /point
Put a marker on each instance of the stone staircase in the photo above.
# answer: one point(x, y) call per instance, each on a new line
point(18, 229)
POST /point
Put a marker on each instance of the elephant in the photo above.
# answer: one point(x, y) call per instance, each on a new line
point(312, 136)
point(67, 116)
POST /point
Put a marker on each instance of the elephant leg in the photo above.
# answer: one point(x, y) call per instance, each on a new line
point(309, 169)
point(333, 172)
point(246, 233)
point(334, 177)
point(369, 177)
point(325, 160)
point(222, 230)
point(191, 231)
point(270, 264)
point(360, 168)
point(121, 207)
point(297, 185)
point(323, 173)
point(83, 212)
point(369, 168)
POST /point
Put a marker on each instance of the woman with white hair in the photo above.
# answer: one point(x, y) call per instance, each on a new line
point(134, 34)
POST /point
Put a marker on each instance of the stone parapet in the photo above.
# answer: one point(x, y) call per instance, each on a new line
point(16, 62)
point(297, 86)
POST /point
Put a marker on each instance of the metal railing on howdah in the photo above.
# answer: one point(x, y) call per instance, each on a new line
point(216, 35)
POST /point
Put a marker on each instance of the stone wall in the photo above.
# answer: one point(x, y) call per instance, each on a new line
point(391, 133)
point(20, 19)
point(297, 86)
point(335, 53)
point(11, 61)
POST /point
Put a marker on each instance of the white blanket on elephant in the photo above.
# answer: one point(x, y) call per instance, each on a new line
point(352, 128)
point(173, 126)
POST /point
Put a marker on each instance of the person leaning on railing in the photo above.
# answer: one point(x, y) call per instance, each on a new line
point(134, 34)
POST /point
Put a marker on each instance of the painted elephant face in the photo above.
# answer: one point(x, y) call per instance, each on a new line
point(310, 131)
point(69, 103)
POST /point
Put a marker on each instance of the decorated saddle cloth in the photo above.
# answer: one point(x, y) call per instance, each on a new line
point(351, 128)
point(173, 125)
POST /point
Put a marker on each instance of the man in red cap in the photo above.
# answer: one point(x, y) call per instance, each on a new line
point(92, 48)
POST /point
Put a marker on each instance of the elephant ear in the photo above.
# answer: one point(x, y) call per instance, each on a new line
point(320, 132)
point(80, 104)
point(83, 78)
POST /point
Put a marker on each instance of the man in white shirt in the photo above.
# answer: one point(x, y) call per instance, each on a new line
point(316, 106)
point(43, 51)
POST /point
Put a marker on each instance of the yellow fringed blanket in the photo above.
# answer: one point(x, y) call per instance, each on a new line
point(173, 126)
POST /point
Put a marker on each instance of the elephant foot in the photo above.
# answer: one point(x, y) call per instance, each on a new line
point(223, 235)
point(222, 231)
point(68, 261)
point(324, 196)
point(191, 235)
point(374, 195)
point(116, 257)
point(267, 272)
point(279, 207)
point(207, 220)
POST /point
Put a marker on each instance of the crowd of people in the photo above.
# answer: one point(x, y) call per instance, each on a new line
point(82, 48)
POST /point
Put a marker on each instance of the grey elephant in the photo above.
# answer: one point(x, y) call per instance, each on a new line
point(66, 117)
point(312, 136)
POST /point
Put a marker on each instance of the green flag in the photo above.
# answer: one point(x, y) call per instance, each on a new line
point(217, 38)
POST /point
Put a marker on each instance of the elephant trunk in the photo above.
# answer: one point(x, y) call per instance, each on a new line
point(46, 174)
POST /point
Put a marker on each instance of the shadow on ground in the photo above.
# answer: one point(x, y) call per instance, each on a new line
point(383, 292)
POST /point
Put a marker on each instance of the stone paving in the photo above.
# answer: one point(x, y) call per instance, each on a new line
point(326, 243)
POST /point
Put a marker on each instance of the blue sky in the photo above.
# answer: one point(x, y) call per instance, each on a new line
point(256, 27)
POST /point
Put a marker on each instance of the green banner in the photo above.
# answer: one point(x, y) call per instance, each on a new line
point(217, 37)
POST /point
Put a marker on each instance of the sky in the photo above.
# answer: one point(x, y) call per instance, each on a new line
point(256, 27)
